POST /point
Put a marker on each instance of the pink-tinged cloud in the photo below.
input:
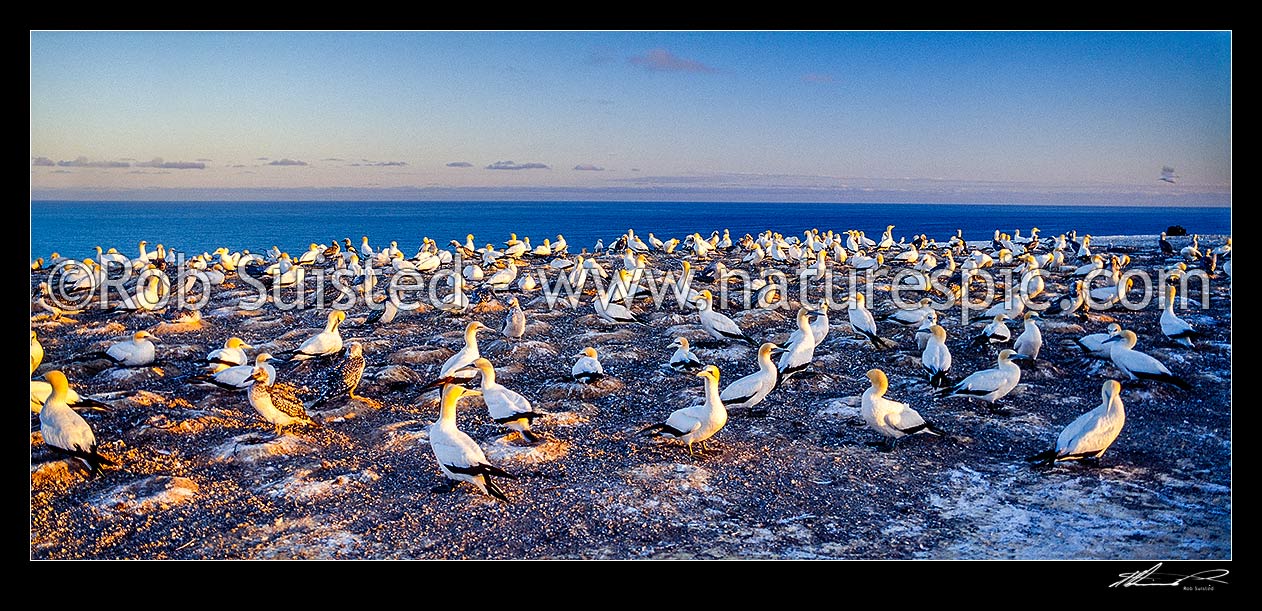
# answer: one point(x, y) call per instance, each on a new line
point(43, 161)
point(460, 164)
point(509, 165)
point(661, 60)
point(817, 77)
point(172, 165)
point(587, 167)
point(82, 162)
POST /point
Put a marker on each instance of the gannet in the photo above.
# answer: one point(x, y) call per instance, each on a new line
point(683, 360)
point(560, 245)
point(458, 368)
point(1105, 297)
point(609, 310)
point(1093, 345)
point(148, 298)
point(587, 368)
point(923, 332)
point(505, 406)
point(1013, 307)
point(989, 385)
point(890, 418)
point(515, 322)
point(473, 272)
point(66, 431)
point(239, 377)
point(1138, 365)
point(1223, 250)
point(276, 404)
point(862, 262)
point(1192, 251)
point(862, 323)
point(136, 352)
point(717, 324)
point(231, 355)
point(1166, 248)
point(37, 353)
point(798, 355)
point(459, 457)
point(995, 332)
point(457, 302)
point(911, 317)
point(503, 278)
point(1031, 339)
point(346, 376)
point(324, 343)
point(819, 325)
point(41, 391)
point(1175, 328)
point(1090, 434)
point(383, 312)
point(753, 388)
point(1069, 304)
point(887, 238)
point(936, 357)
point(696, 423)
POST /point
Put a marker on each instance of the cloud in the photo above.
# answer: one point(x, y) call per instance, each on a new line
point(287, 161)
point(661, 60)
point(261, 158)
point(204, 160)
point(238, 165)
point(144, 172)
point(381, 164)
point(635, 169)
point(172, 165)
point(509, 165)
point(62, 172)
point(332, 159)
point(587, 167)
point(460, 164)
point(82, 162)
point(43, 161)
point(817, 77)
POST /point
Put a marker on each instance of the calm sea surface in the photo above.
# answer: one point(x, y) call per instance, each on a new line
point(74, 228)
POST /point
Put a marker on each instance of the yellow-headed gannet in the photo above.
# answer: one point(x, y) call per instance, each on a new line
point(936, 357)
point(458, 368)
point(753, 388)
point(239, 377)
point(66, 431)
point(1192, 251)
point(989, 385)
point(231, 355)
point(505, 406)
point(798, 355)
point(276, 404)
point(503, 278)
point(924, 332)
point(344, 378)
point(610, 311)
point(1093, 345)
point(1031, 339)
point(1090, 434)
point(136, 352)
point(861, 322)
point(911, 317)
point(995, 332)
point(324, 343)
point(891, 418)
point(717, 324)
point(683, 360)
point(696, 423)
point(1138, 365)
point(459, 457)
point(41, 391)
point(1175, 328)
point(37, 353)
point(587, 368)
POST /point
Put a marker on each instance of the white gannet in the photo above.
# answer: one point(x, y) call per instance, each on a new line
point(989, 385)
point(1138, 365)
point(458, 368)
point(231, 355)
point(136, 352)
point(717, 324)
point(696, 423)
point(609, 310)
point(862, 262)
point(505, 406)
point(460, 458)
point(276, 404)
point(324, 343)
point(37, 353)
point(1012, 307)
point(457, 302)
point(798, 355)
point(239, 377)
point(819, 325)
point(911, 317)
point(587, 368)
point(147, 298)
point(891, 418)
point(1175, 328)
point(473, 272)
point(683, 360)
point(344, 378)
point(753, 388)
point(1090, 434)
point(936, 357)
point(66, 431)
point(1192, 251)
point(995, 332)
point(503, 278)
point(861, 322)
point(515, 322)
point(1031, 339)
point(923, 332)
point(1093, 345)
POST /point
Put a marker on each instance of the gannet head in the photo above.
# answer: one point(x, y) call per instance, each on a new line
point(710, 373)
point(355, 349)
point(474, 327)
point(588, 351)
point(1110, 389)
point(259, 375)
point(236, 342)
point(142, 335)
point(879, 381)
point(263, 357)
point(57, 380)
point(938, 331)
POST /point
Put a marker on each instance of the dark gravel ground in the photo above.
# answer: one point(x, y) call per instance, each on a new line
point(799, 483)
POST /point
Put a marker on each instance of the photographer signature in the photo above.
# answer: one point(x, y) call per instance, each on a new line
point(1151, 577)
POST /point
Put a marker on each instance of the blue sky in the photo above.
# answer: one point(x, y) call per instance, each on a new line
point(821, 116)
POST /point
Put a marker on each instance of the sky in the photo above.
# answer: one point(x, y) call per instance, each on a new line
point(992, 117)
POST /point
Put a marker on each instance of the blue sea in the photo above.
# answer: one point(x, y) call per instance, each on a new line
point(74, 228)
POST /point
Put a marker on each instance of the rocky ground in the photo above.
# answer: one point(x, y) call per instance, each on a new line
point(201, 476)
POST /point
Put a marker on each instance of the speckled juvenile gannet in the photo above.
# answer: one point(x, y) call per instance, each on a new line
point(587, 368)
point(1031, 339)
point(37, 353)
point(717, 324)
point(1089, 435)
point(989, 385)
point(66, 431)
point(862, 323)
point(515, 321)
point(697, 423)
point(1175, 328)
point(239, 377)
point(798, 355)
point(753, 388)
point(344, 379)
point(936, 357)
point(683, 360)
point(136, 352)
point(276, 404)
point(506, 406)
point(231, 355)
point(458, 368)
point(459, 457)
point(1137, 365)
point(324, 343)
point(891, 418)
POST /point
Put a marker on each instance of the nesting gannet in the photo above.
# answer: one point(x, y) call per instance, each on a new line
point(911, 317)
point(136, 352)
point(346, 376)
point(609, 310)
point(683, 360)
point(862, 323)
point(1031, 339)
point(237, 378)
point(995, 332)
point(936, 357)
point(1069, 304)
point(66, 431)
point(1013, 307)
point(503, 278)
point(276, 404)
point(505, 406)
point(231, 355)
point(891, 418)
point(717, 324)
point(41, 391)
point(1175, 328)
point(753, 388)
point(587, 368)
point(458, 368)
point(457, 302)
point(1093, 345)
point(989, 385)
point(515, 322)
point(37, 353)
point(1138, 365)
point(1090, 434)
point(1192, 251)
point(146, 299)
point(696, 423)
point(459, 457)
point(798, 355)
point(324, 343)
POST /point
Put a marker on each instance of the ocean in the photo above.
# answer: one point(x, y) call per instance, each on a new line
point(75, 228)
